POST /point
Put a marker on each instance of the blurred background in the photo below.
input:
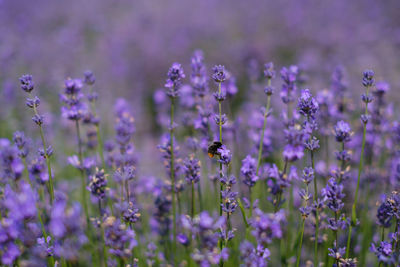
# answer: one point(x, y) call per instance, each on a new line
point(129, 45)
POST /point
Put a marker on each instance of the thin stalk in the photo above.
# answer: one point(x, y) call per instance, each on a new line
point(172, 170)
point(220, 195)
point(99, 139)
point(302, 231)
point(336, 238)
point(394, 243)
point(81, 171)
point(221, 187)
point(360, 167)
point(193, 197)
point(27, 172)
point(366, 228)
point(290, 223)
point(220, 140)
point(105, 256)
point(251, 202)
point(199, 195)
point(38, 213)
point(260, 148)
point(316, 215)
point(278, 200)
point(301, 243)
point(51, 188)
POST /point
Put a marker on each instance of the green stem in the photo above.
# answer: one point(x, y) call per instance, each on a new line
point(301, 243)
point(251, 202)
point(260, 148)
point(47, 157)
point(172, 170)
point(316, 215)
point(105, 256)
point(220, 140)
point(99, 139)
point(394, 243)
point(82, 174)
point(360, 167)
point(336, 238)
point(38, 213)
point(193, 196)
point(243, 212)
point(199, 195)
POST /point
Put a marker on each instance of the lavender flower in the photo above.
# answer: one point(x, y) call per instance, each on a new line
point(307, 104)
point(37, 170)
point(8, 235)
point(269, 71)
point(21, 142)
point(383, 252)
point(248, 170)
point(199, 74)
point(225, 155)
point(27, 83)
point(89, 77)
point(98, 184)
point(252, 257)
point(130, 213)
point(74, 109)
point(191, 168)
point(267, 226)
point(219, 73)
point(368, 78)
point(334, 194)
point(11, 167)
point(67, 228)
point(289, 76)
point(295, 139)
point(175, 76)
point(389, 209)
point(205, 227)
point(342, 132)
point(119, 239)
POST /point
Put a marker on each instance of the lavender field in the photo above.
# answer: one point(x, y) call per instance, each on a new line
point(199, 133)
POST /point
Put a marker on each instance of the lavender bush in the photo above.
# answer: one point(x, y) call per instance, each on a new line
point(233, 164)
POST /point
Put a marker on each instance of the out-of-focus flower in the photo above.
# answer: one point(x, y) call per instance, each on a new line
point(118, 238)
point(191, 168)
point(67, 228)
point(248, 170)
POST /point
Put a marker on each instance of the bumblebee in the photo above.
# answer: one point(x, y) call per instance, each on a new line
point(213, 149)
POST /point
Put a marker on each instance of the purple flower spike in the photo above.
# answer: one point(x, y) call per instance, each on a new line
point(27, 83)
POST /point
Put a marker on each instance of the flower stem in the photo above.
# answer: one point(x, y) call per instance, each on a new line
point(301, 243)
point(83, 182)
point(193, 196)
point(316, 215)
point(99, 139)
point(172, 171)
point(47, 157)
point(199, 195)
point(220, 140)
point(105, 257)
point(260, 148)
point(360, 167)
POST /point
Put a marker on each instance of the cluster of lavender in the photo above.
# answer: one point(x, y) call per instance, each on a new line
point(229, 193)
